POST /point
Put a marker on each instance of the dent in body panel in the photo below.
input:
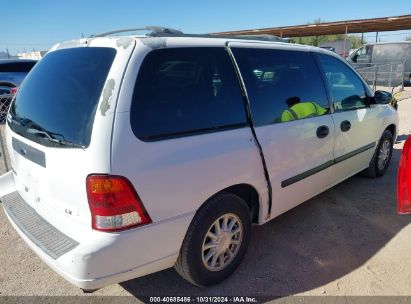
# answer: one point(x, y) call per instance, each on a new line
point(155, 43)
point(107, 94)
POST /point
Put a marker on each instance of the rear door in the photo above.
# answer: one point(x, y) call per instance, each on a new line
point(298, 147)
point(357, 126)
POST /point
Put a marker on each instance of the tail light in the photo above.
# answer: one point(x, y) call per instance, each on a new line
point(404, 180)
point(114, 204)
point(14, 90)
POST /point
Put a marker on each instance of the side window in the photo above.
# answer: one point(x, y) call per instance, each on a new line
point(182, 91)
point(361, 51)
point(363, 55)
point(346, 88)
point(282, 85)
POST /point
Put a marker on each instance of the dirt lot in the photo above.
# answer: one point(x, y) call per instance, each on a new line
point(346, 241)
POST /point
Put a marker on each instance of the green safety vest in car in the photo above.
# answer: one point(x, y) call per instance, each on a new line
point(302, 110)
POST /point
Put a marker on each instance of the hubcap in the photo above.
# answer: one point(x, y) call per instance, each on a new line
point(384, 154)
point(222, 241)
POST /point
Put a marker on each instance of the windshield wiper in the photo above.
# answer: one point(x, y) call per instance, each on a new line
point(50, 137)
point(34, 128)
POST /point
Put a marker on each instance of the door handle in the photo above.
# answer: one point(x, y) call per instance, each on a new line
point(322, 131)
point(345, 125)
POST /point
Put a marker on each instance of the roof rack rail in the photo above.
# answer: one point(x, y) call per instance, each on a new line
point(264, 37)
point(154, 31)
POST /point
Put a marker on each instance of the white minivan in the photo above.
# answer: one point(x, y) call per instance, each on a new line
point(133, 154)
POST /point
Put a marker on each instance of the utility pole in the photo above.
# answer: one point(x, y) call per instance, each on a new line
point(345, 41)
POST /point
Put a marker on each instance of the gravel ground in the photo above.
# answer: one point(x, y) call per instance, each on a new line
point(3, 154)
point(347, 241)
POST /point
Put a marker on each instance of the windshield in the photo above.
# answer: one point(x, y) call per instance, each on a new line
point(57, 102)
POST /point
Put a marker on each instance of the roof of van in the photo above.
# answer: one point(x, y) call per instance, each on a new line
point(198, 40)
point(162, 37)
point(162, 33)
point(395, 42)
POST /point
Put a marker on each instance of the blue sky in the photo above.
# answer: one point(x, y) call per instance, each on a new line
point(39, 24)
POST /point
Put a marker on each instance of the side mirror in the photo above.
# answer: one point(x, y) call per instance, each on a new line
point(382, 97)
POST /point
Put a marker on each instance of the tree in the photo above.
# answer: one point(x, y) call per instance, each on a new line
point(356, 41)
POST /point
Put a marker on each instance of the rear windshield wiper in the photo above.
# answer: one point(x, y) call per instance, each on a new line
point(50, 137)
point(32, 127)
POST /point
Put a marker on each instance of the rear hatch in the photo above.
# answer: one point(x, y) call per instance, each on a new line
point(59, 127)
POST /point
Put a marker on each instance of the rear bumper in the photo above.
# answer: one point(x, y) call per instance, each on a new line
point(99, 259)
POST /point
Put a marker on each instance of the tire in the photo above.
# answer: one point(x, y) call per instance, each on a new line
point(382, 156)
point(203, 266)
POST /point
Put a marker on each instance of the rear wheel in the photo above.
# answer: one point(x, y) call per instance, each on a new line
point(382, 156)
point(216, 240)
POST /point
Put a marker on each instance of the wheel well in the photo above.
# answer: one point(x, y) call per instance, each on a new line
point(249, 195)
point(392, 129)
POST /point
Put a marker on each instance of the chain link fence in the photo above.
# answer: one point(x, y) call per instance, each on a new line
point(389, 76)
point(5, 101)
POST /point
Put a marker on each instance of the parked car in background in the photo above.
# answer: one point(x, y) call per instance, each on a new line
point(404, 179)
point(6, 90)
point(397, 54)
point(13, 72)
point(162, 150)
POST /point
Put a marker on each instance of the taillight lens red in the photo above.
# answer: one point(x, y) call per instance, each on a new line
point(404, 180)
point(14, 90)
point(114, 204)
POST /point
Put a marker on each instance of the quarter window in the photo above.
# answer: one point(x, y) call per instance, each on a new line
point(346, 88)
point(182, 91)
point(281, 85)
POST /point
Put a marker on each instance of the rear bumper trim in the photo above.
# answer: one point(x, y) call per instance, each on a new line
point(52, 241)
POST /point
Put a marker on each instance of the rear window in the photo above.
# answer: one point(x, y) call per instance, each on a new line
point(58, 99)
point(20, 67)
point(184, 91)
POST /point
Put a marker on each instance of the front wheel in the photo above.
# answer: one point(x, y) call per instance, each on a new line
point(216, 240)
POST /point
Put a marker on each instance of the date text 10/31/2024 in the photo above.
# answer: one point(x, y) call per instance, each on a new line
point(200, 299)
